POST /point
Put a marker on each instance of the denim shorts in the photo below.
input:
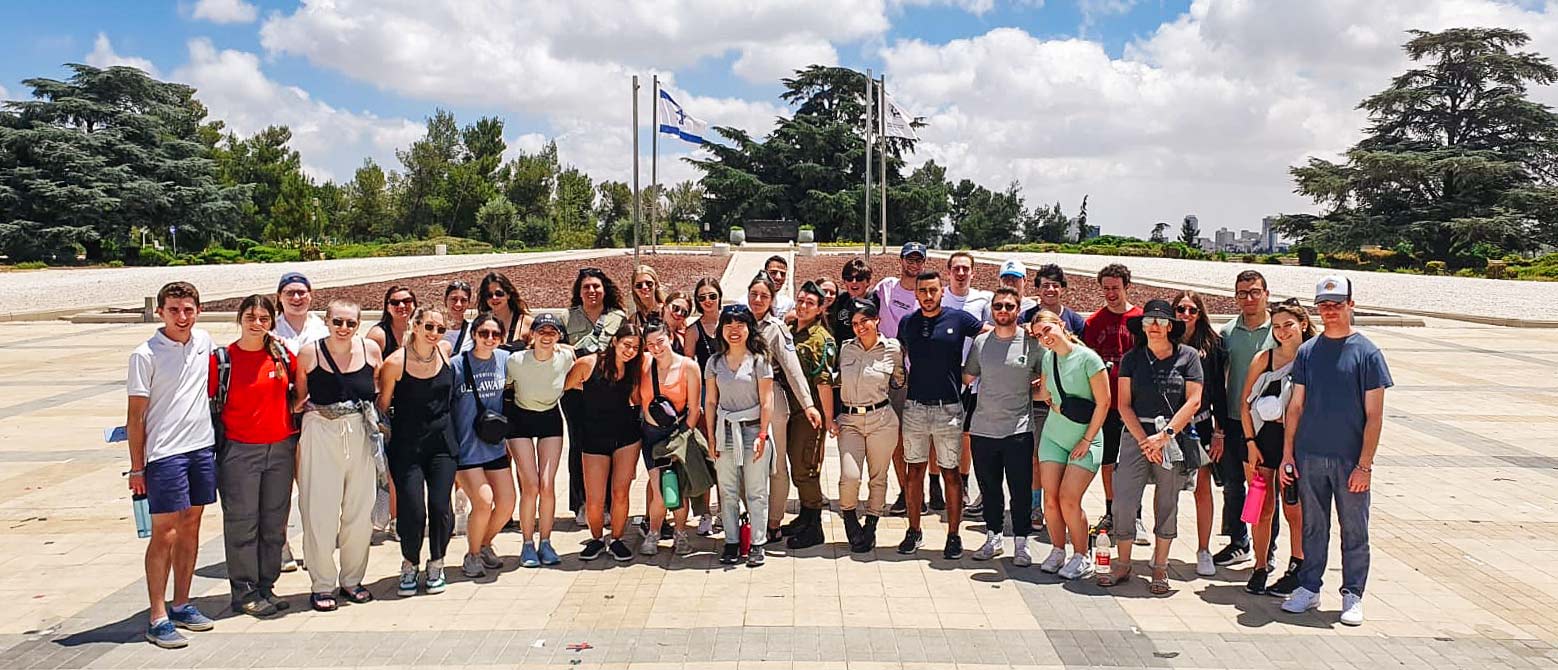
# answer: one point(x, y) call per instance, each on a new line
point(928, 428)
point(181, 481)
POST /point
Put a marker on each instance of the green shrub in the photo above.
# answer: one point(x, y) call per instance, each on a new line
point(1272, 259)
point(177, 262)
point(457, 245)
point(534, 232)
point(31, 265)
point(1100, 250)
point(116, 263)
point(219, 256)
point(244, 244)
point(1467, 272)
point(1049, 247)
point(1436, 267)
point(351, 251)
point(268, 254)
point(1248, 259)
point(152, 256)
point(1306, 256)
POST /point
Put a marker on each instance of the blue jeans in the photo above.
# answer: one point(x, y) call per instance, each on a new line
point(1321, 480)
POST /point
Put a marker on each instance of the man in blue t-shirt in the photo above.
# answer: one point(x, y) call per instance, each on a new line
point(933, 338)
point(1339, 379)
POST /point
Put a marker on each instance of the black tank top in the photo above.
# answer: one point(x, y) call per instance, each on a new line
point(323, 389)
point(612, 399)
point(391, 343)
point(421, 411)
point(704, 349)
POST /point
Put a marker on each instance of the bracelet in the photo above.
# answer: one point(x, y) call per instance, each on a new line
point(135, 473)
point(1364, 470)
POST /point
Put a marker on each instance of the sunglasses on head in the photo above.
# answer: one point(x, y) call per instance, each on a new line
point(434, 328)
point(590, 272)
point(396, 302)
point(1187, 309)
point(339, 322)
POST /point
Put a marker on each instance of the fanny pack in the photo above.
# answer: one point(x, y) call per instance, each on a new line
point(491, 426)
point(1079, 410)
point(660, 408)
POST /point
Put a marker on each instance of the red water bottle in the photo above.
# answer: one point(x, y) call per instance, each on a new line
point(746, 535)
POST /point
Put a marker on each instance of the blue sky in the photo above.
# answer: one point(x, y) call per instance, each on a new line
point(1153, 108)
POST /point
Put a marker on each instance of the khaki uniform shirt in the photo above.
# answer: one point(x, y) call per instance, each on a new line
point(582, 332)
point(867, 377)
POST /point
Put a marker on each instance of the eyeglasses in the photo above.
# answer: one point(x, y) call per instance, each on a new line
point(396, 302)
point(489, 334)
point(1249, 293)
point(296, 293)
point(1003, 307)
point(708, 296)
point(679, 311)
point(644, 284)
point(1155, 321)
point(434, 328)
point(497, 293)
point(343, 323)
point(1186, 309)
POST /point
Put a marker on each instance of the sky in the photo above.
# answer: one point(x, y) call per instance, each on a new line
point(1154, 109)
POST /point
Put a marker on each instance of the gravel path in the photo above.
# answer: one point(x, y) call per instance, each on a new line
point(64, 291)
point(1376, 290)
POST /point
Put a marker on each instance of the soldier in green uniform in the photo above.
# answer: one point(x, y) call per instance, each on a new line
point(816, 349)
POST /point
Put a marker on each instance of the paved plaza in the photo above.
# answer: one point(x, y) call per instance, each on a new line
point(1463, 537)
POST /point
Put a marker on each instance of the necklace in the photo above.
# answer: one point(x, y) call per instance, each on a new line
point(412, 351)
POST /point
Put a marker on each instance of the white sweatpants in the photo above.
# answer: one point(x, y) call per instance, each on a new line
point(336, 478)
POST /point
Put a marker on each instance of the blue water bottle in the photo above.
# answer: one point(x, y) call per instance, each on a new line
point(142, 515)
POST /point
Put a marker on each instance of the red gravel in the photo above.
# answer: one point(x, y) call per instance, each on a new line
point(540, 284)
point(1082, 294)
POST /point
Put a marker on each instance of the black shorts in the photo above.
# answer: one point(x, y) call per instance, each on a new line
point(534, 425)
point(1113, 426)
point(499, 463)
point(1269, 440)
point(610, 433)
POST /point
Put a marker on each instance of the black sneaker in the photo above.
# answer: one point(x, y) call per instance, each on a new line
point(954, 549)
point(1257, 583)
point(899, 507)
point(977, 508)
point(731, 554)
point(666, 531)
point(1285, 585)
point(912, 539)
point(620, 551)
point(937, 501)
point(511, 527)
point(774, 535)
point(1233, 553)
point(592, 550)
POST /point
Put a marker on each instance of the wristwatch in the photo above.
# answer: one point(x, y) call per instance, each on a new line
point(1169, 431)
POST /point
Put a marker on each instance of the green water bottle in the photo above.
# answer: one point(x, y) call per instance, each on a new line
point(670, 488)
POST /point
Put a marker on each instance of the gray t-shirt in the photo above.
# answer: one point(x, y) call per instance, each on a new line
point(1005, 368)
point(738, 388)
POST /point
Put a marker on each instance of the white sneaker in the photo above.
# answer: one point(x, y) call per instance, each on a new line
point(1079, 567)
point(1142, 539)
point(1352, 609)
point(1052, 563)
point(651, 545)
point(1021, 558)
point(993, 547)
point(1204, 565)
point(1304, 600)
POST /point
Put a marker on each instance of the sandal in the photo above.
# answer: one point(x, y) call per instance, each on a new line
point(1159, 586)
point(1109, 579)
point(322, 602)
point(357, 594)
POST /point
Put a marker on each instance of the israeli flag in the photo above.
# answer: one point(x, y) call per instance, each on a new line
point(675, 121)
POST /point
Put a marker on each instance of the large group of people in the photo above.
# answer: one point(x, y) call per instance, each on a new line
point(724, 405)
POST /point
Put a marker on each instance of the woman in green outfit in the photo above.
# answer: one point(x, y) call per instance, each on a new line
point(1069, 451)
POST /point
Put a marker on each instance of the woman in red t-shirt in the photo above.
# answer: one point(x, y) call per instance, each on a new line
point(257, 456)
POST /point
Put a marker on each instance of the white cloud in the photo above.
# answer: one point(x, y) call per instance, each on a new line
point(103, 55)
point(1206, 115)
point(975, 7)
point(332, 141)
point(226, 11)
point(768, 63)
point(4, 94)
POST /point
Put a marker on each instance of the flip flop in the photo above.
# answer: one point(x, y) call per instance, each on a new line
point(1159, 585)
point(1110, 579)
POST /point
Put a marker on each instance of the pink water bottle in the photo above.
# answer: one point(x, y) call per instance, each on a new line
point(1254, 500)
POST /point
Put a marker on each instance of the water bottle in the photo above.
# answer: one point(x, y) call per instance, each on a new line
point(1254, 500)
point(670, 488)
point(1102, 547)
point(746, 534)
point(1290, 491)
point(142, 512)
point(1161, 424)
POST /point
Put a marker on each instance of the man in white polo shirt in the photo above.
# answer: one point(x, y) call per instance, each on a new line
point(172, 455)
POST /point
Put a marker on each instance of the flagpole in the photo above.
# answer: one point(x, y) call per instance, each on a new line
point(870, 93)
point(654, 163)
point(882, 120)
point(635, 176)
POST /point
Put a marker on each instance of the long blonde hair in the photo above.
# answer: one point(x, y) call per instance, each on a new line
point(659, 288)
point(1046, 316)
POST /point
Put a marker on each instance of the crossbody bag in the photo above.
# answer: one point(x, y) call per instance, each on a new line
point(491, 426)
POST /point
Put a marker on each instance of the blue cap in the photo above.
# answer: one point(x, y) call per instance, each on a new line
point(546, 320)
point(912, 248)
point(293, 278)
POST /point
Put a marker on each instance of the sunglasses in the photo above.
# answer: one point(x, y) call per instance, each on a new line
point(1187, 309)
point(1003, 307)
point(489, 334)
point(296, 293)
point(343, 323)
point(708, 296)
point(497, 293)
point(396, 302)
point(1155, 321)
point(679, 311)
point(644, 284)
point(434, 328)
point(855, 278)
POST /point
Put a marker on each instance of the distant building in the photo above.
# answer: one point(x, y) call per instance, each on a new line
point(1094, 231)
point(1204, 244)
point(1268, 234)
point(1223, 240)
